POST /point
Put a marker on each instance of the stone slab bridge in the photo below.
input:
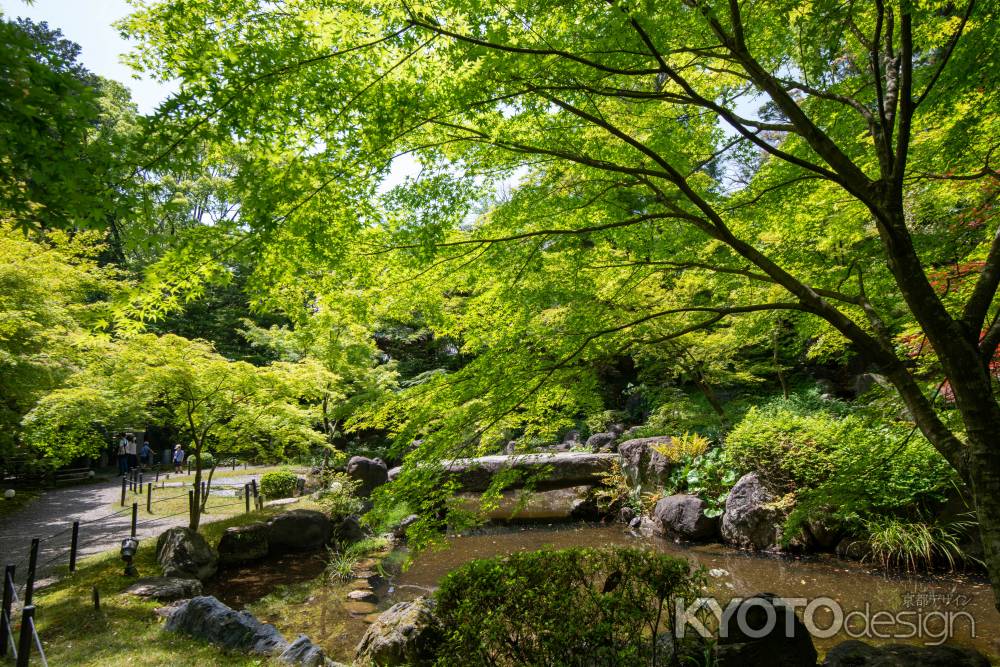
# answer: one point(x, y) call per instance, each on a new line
point(560, 470)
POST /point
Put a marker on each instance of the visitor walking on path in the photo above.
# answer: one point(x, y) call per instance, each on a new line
point(122, 456)
point(178, 458)
point(133, 458)
point(145, 455)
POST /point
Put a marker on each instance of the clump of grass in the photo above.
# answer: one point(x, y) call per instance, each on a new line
point(914, 546)
point(342, 562)
point(340, 567)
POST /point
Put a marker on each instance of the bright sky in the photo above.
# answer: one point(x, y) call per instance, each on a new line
point(89, 24)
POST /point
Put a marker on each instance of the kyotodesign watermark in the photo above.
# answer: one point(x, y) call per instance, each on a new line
point(824, 617)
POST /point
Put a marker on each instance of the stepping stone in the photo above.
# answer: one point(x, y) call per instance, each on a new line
point(362, 596)
point(358, 608)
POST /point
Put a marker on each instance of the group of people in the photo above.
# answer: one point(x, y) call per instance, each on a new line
point(130, 456)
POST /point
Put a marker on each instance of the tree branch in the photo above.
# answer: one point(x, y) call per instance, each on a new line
point(949, 49)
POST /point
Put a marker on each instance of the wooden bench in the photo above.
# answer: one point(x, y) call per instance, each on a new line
point(70, 475)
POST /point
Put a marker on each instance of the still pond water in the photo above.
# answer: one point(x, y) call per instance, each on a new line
point(964, 603)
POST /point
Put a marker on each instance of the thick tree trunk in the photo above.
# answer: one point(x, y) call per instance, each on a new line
point(208, 486)
point(777, 358)
point(196, 505)
point(984, 478)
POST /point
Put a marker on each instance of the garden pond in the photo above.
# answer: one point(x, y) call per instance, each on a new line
point(324, 612)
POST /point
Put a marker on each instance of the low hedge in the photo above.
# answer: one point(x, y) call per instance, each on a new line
point(278, 484)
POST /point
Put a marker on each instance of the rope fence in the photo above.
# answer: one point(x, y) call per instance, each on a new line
point(20, 647)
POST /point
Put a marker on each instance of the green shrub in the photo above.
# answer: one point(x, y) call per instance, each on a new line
point(278, 484)
point(568, 607)
point(881, 470)
point(788, 449)
point(601, 422)
point(207, 460)
point(339, 496)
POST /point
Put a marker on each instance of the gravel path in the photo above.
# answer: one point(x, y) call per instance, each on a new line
point(51, 517)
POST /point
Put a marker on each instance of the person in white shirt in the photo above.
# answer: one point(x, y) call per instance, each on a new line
point(130, 449)
point(122, 453)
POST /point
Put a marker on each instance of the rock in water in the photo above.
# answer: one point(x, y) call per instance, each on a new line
point(776, 648)
point(303, 652)
point(642, 464)
point(165, 589)
point(684, 514)
point(751, 520)
point(243, 544)
point(298, 530)
point(182, 552)
point(854, 653)
point(405, 634)
point(369, 473)
point(208, 619)
point(399, 530)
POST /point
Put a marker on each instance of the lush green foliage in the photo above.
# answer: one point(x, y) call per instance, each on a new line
point(568, 607)
point(847, 466)
point(789, 449)
point(52, 293)
point(710, 476)
point(55, 168)
point(651, 209)
point(278, 484)
point(338, 497)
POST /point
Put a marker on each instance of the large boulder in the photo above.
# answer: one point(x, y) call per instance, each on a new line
point(683, 514)
point(853, 547)
point(763, 643)
point(182, 552)
point(399, 530)
point(303, 652)
point(602, 442)
point(208, 619)
point(643, 464)
point(825, 532)
point(370, 474)
point(854, 653)
point(165, 589)
point(407, 633)
point(751, 519)
point(243, 544)
point(548, 471)
point(571, 438)
point(349, 529)
point(298, 530)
